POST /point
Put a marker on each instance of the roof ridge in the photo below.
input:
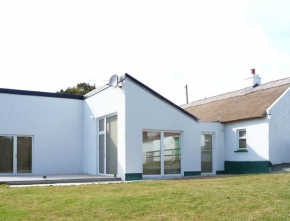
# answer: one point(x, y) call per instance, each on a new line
point(236, 93)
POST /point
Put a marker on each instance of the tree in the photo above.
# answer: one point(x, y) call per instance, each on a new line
point(80, 89)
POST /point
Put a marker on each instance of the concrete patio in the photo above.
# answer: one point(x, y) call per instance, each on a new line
point(53, 179)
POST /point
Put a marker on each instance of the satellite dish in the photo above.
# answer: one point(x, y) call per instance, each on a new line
point(114, 81)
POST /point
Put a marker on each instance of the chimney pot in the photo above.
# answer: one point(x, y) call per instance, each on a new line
point(252, 71)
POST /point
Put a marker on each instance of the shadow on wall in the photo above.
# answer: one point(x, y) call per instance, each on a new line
point(279, 143)
point(247, 161)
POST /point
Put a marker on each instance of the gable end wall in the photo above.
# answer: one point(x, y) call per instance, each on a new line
point(279, 130)
point(144, 111)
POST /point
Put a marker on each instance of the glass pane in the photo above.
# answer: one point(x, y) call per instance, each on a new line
point(111, 145)
point(207, 145)
point(101, 153)
point(151, 153)
point(242, 143)
point(6, 154)
point(206, 153)
point(172, 153)
point(24, 154)
point(101, 124)
point(242, 133)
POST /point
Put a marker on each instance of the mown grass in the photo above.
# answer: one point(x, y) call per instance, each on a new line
point(249, 197)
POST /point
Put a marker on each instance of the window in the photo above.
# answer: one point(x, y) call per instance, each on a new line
point(108, 145)
point(242, 139)
point(15, 154)
point(206, 153)
point(151, 153)
point(161, 153)
point(206, 142)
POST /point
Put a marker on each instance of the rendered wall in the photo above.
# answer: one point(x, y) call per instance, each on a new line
point(280, 130)
point(144, 111)
point(56, 127)
point(107, 102)
point(217, 129)
point(257, 140)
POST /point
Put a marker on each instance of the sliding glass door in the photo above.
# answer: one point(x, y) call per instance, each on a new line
point(171, 153)
point(24, 154)
point(15, 154)
point(6, 154)
point(151, 153)
point(161, 153)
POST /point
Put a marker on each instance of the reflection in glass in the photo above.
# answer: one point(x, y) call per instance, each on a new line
point(242, 143)
point(102, 124)
point(242, 139)
point(206, 153)
point(24, 154)
point(6, 154)
point(242, 133)
point(172, 153)
point(101, 153)
point(151, 153)
point(111, 145)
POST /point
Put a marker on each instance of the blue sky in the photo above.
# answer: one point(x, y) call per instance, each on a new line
point(208, 45)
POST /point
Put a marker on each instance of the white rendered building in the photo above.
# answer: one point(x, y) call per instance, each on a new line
point(132, 132)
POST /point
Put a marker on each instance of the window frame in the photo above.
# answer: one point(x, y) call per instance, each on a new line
point(205, 141)
point(162, 173)
point(241, 138)
point(103, 132)
point(15, 152)
point(205, 151)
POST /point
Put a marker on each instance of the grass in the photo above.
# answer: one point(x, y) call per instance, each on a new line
point(248, 197)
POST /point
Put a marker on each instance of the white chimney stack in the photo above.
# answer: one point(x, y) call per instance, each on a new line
point(256, 78)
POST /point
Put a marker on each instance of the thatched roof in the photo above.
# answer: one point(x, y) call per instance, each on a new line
point(248, 103)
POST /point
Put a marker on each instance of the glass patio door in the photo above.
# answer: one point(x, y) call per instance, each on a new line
point(6, 154)
point(108, 145)
point(161, 153)
point(206, 153)
point(24, 153)
point(15, 155)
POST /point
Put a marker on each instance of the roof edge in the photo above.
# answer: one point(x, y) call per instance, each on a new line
point(40, 94)
point(160, 96)
point(223, 94)
point(277, 100)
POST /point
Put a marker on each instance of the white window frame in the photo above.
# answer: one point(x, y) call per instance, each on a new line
point(162, 154)
point(102, 133)
point(105, 142)
point(212, 151)
point(241, 138)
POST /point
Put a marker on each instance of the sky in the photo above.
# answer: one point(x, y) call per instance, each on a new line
point(208, 45)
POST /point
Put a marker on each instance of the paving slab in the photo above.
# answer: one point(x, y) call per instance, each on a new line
point(53, 179)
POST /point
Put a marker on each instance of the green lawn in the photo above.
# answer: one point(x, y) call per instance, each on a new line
point(249, 197)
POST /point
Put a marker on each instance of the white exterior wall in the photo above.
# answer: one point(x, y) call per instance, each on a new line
point(56, 127)
point(111, 101)
point(257, 140)
point(280, 130)
point(218, 150)
point(144, 111)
